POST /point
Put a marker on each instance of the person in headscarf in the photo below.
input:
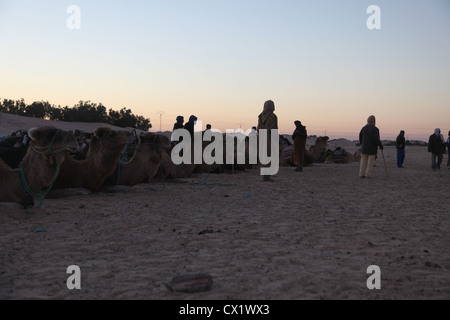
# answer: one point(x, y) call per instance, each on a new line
point(300, 136)
point(179, 124)
point(267, 120)
point(191, 125)
point(401, 145)
point(436, 145)
point(369, 138)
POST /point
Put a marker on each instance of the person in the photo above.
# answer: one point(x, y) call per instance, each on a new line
point(191, 125)
point(448, 149)
point(208, 128)
point(300, 136)
point(267, 120)
point(179, 123)
point(436, 145)
point(369, 138)
point(401, 144)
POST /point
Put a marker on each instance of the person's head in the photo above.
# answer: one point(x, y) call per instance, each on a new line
point(208, 127)
point(180, 119)
point(449, 133)
point(402, 133)
point(297, 123)
point(437, 131)
point(371, 120)
point(269, 106)
point(193, 119)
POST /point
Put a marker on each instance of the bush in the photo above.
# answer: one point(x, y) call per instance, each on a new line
point(84, 111)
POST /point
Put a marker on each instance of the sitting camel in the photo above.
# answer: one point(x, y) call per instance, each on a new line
point(342, 156)
point(171, 170)
point(40, 167)
point(318, 152)
point(101, 160)
point(144, 164)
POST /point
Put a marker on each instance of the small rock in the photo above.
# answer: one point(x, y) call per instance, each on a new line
point(191, 283)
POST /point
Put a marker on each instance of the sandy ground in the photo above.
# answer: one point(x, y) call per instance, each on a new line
point(310, 235)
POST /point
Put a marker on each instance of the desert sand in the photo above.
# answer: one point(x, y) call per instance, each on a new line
point(309, 235)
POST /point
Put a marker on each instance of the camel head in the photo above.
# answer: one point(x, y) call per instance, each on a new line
point(155, 144)
point(112, 140)
point(52, 143)
point(107, 145)
point(321, 143)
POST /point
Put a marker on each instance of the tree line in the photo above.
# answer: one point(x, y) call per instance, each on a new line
point(83, 111)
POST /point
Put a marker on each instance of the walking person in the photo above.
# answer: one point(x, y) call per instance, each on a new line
point(300, 136)
point(436, 145)
point(401, 145)
point(267, 120)
point(369, 138)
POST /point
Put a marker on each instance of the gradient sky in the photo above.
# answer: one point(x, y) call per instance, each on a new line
point(221, 59)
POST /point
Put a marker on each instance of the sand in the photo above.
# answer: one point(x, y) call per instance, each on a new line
point(309, 235)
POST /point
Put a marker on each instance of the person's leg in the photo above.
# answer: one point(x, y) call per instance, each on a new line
point(433, 161)
point(440, 158)
point(399, 158)
point(370, 163)
point(448, 159)
point(301, 155)
point(363, 165)
point(402, 158)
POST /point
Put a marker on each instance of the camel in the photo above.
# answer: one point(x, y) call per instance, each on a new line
point(172, 170)
point(342, 156)
point(40, 167)
point(145, 162)
point(101, 160)
point(318, 152)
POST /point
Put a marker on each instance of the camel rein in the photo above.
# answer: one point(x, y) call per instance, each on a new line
point(41, 195)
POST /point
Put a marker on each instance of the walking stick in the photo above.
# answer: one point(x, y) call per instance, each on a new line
point(385, 165)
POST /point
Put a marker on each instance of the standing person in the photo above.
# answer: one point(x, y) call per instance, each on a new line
point(267, 120)
point(448, 149)
point(369, 138)
point(401, 144)
point(179, 124)
point(190, 126)
point(437, 148)
point(298, 156)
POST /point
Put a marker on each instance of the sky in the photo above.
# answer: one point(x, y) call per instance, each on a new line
point(222, 59)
